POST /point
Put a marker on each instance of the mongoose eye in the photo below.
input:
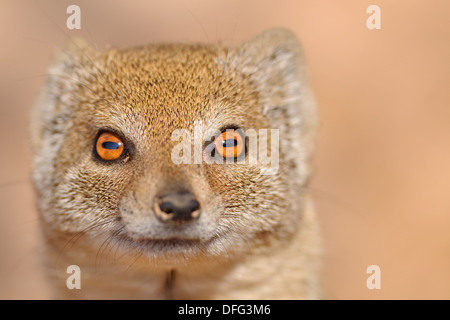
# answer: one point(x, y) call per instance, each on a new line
point(230, 143)
point(109, 147)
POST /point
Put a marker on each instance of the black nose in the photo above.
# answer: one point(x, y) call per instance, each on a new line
point(177, 207)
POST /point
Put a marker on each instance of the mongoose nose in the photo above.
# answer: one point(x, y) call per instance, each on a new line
point(177, 207)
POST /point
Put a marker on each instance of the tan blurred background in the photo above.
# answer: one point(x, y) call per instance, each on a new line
point(383, 161)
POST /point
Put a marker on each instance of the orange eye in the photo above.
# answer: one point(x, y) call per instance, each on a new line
point(230, 144)
point(109, 146)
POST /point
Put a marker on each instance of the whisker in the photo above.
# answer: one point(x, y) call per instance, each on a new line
point(138, 256)
point(15, 183)
point(198, 21)
point(104, 246)
point(320, 195)
point(118, 244)
point(81, 233)
point(26, 223)
point(44, 75)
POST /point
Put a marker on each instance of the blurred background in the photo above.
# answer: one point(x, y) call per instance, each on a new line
point(382, 182)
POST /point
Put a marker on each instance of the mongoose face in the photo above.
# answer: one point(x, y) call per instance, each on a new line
point(103, 147)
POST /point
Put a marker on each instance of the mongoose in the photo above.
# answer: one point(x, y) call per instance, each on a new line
point(140, 226)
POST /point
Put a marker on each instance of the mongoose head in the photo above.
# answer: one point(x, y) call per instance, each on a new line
point(103, 146)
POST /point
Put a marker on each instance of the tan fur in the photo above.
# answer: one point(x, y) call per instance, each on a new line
point(257, 234)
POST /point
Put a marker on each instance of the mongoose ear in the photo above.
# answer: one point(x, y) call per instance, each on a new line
point(63, 76)
point(273, 59)
point(72, 54)
point(274, 63)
